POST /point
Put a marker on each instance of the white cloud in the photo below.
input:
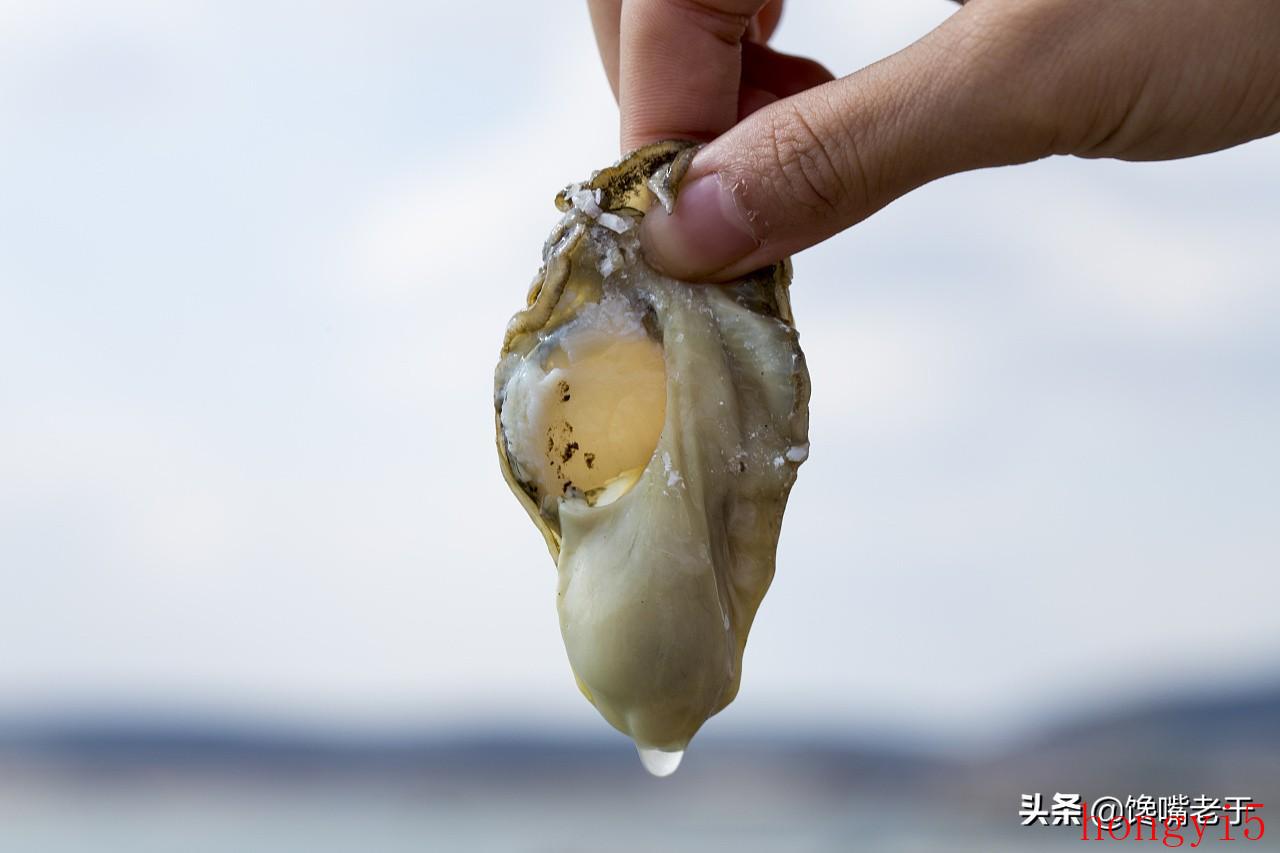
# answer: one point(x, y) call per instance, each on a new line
point(246, 457)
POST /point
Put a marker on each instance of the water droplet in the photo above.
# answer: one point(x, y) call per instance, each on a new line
point(659, 762)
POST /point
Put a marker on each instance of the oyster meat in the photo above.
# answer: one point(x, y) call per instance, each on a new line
point(652, 430)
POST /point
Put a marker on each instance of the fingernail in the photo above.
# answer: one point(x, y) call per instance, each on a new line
point(706, 233)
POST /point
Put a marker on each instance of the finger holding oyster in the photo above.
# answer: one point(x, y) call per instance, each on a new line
point(652, 429)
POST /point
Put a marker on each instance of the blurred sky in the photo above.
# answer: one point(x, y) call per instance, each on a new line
point(255, 264)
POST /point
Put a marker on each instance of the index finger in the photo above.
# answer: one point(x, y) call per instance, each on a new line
point(606, 21)
point(680, 66)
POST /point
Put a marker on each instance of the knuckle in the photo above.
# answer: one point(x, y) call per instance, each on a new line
point(1023, 63)
point(813, 167)
point(721, 19)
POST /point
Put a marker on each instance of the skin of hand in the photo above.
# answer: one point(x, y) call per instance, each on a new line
point(795, 156)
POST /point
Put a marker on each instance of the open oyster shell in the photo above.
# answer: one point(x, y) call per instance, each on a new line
point(652, 430)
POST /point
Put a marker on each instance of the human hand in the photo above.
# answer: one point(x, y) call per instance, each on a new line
point(796, 156)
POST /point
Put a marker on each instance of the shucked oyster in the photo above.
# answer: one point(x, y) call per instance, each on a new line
point(652, 429)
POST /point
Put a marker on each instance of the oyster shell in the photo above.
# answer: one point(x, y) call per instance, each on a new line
point(652, 430)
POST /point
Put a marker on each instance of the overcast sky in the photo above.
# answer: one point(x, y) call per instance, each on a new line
point(255, 266)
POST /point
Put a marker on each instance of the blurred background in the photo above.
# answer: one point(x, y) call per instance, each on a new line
point(265, 590)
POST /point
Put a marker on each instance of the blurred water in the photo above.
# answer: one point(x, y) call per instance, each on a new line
point(150, 787)
point(329, 821)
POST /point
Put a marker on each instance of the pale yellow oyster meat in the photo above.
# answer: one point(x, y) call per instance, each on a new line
point(652, 429)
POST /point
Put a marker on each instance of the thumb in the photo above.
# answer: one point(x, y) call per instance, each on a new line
point(806, 167)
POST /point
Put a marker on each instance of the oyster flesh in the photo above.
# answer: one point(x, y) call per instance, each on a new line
point(652, 430)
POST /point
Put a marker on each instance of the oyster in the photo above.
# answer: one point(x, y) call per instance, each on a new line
point(652, 430)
